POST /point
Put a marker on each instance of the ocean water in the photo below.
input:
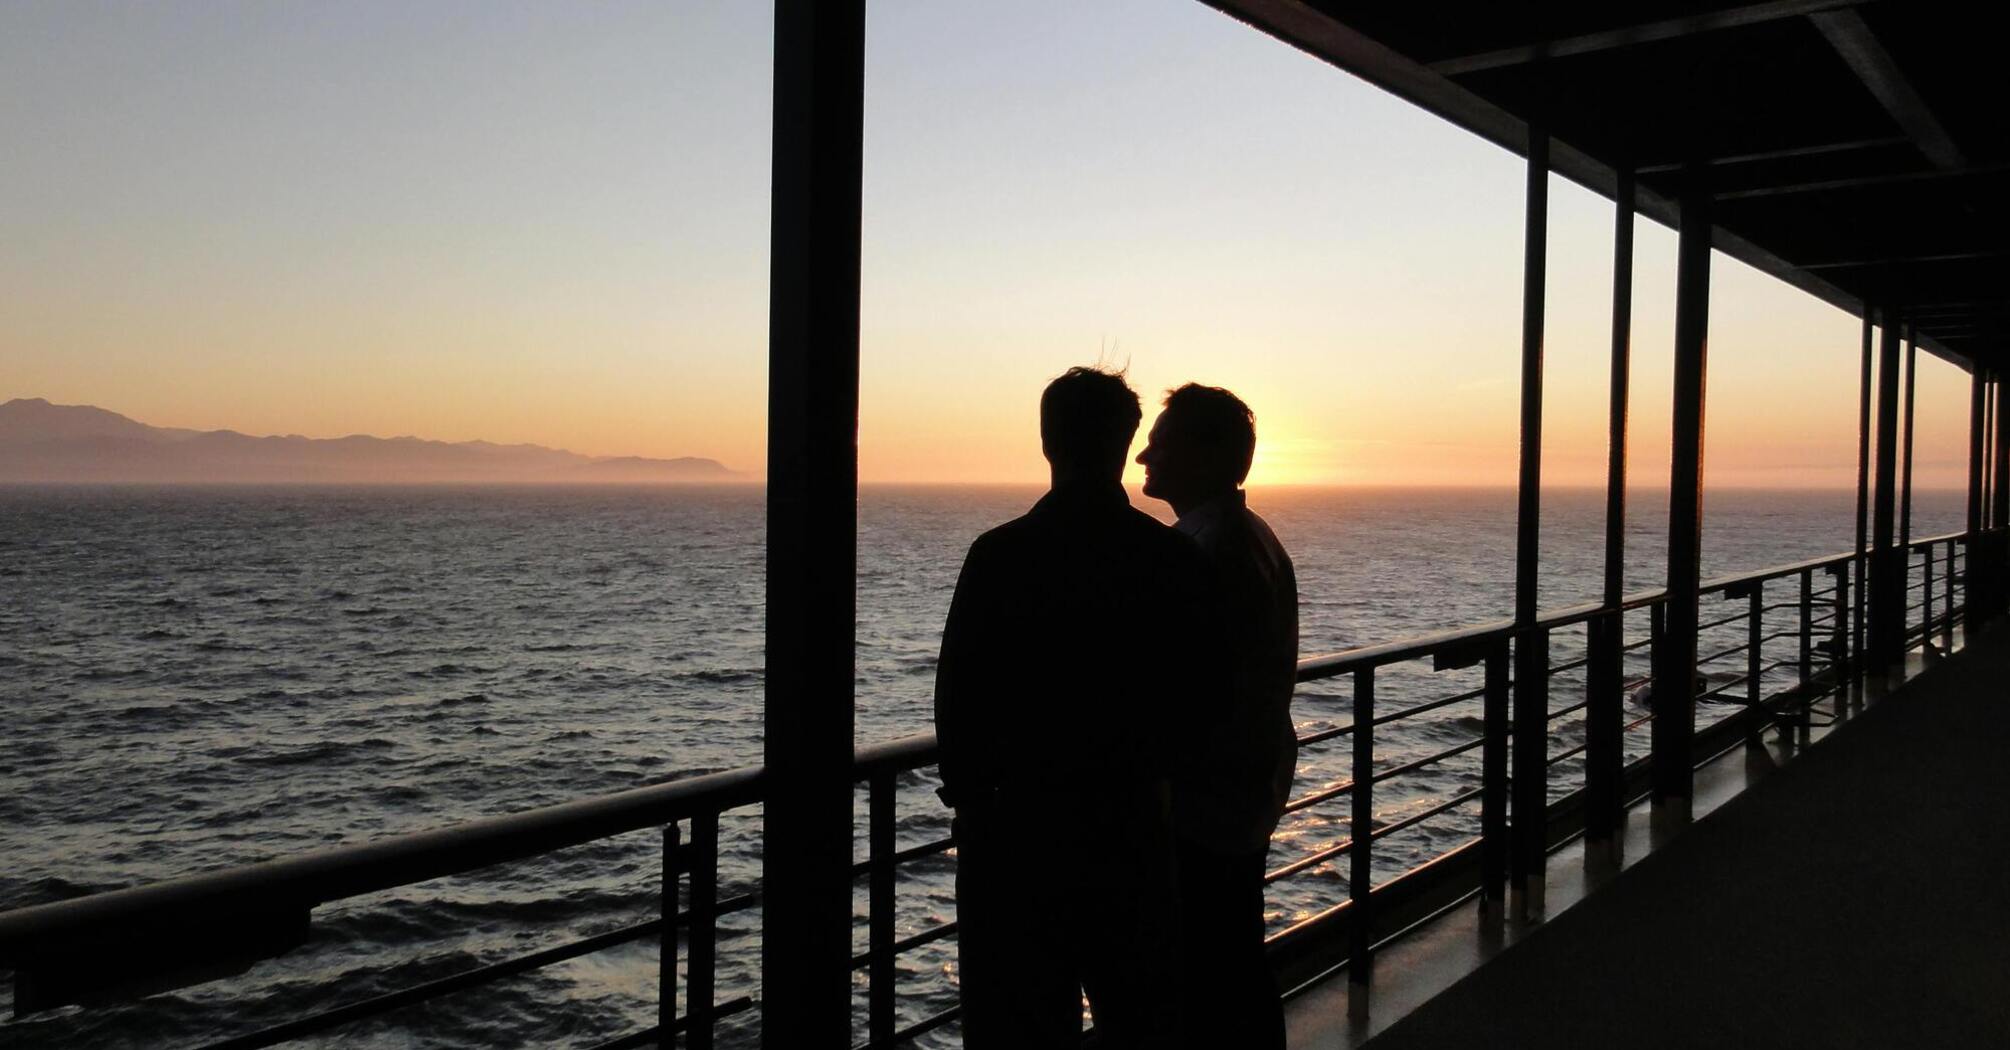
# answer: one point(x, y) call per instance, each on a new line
point(202, 677)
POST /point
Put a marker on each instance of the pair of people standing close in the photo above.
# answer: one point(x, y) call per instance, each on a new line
point(1113, 706)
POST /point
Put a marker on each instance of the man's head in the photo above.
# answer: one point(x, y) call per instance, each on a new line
point(1087, 420)
point(1200, 447)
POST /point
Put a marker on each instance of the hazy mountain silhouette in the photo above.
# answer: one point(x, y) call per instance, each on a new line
point(42, 442)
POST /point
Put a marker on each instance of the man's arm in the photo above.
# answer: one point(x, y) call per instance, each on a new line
point(961, 679)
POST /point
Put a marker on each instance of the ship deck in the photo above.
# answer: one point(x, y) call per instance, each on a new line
point(1834, 891)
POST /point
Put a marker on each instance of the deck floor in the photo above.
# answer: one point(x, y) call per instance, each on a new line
point(1858, 896)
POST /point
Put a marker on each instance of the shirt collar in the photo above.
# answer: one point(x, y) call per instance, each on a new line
point(1199, 520)
point(1083, 496)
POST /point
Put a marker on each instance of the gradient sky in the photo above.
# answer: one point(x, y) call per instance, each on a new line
point(547, 222)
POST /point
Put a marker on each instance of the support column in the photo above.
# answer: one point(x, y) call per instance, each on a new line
point(1675, 658)
point(1604, 713)
point(812, 522)
point(1531, 664)
point(1974, 448)
point(1995, 564)
point(1859, 566)
point(1998, 489)
point(1887, 598)
point(1905, 478)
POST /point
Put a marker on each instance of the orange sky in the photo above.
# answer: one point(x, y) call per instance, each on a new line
point(320, 221)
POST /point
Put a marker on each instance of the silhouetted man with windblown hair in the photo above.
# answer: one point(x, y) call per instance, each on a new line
point(1077, 641)
point(1230, 791)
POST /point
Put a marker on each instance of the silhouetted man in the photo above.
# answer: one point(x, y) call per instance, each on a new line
point(1077, 640)
point(1228, 796)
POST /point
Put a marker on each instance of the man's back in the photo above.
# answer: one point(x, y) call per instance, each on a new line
point(1075, 638)
point(1075, 643)
point(1231, 798)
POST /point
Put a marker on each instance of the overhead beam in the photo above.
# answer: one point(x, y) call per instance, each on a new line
point(1866, 56)
point(1628, 36)
point(1895, 260)
point(1857, 182)
point(1819, 149)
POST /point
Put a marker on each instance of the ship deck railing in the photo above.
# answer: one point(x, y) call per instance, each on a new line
point(1792, 626)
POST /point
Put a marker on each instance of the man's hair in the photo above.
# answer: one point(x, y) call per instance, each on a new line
point(1215, 420)
point(1087, 417)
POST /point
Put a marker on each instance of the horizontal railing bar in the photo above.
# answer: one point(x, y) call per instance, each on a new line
point(653, 1034)
point(1570, 710)
point(1733, 618)
point(1416, 764)
point(1322, 795)
point(918, 1028)
point(906, 944)
point(1572, 753)
point(926, 849)
point(1324, 735)
point(1719, 655)
point(1418, 818)
point(350, 871)
point(1311, 860)
point(1571, 666)
point(1432, 705)
point(1336, 664)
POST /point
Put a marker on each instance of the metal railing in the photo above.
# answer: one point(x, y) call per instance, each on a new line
point(149, 938)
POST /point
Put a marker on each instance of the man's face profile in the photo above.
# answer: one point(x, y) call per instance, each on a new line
point(1173, 469)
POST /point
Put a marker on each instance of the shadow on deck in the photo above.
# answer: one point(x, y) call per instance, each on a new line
point(1859, 895)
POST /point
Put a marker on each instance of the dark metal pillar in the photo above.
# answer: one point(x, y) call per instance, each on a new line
point(1531, 663)
point(1994, 566)
point(1887, 577)
point(1675, 658)
point(1853, 635)
point(1604, 752)
point(1998, 489)
point(1905, 479)
point(812, 521)
point(1975, 448)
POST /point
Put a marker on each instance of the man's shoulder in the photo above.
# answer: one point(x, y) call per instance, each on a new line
point(1260, 531)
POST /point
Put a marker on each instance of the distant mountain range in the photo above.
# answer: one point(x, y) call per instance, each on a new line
point(41, 442)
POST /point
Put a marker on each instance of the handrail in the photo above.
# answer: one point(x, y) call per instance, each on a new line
point(354, 870)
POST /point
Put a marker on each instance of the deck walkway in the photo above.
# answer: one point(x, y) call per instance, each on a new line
point(1859, 896)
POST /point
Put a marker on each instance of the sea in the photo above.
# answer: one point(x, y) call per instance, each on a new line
point(201, 677)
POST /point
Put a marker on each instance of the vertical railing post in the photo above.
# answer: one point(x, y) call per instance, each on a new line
point(1755, 614)
point(879, 907)
point(666, 967)
point(1531, 677)
point(1947, 620)
point(1675, 671)
point(1604, 748)
point(703, 958)
point(1926, 596)
point(1887, 562)
point(1995, 570)
point(1360, 853)
point(1531, 773)
point(1807, 631)
point(812, 521)
point(1494, 846)
point(1843, 667)
point(1853, 633)
point(1905, 453)
point(1604, 732)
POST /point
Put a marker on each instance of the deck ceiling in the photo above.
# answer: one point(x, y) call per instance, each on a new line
point(1857, 150)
